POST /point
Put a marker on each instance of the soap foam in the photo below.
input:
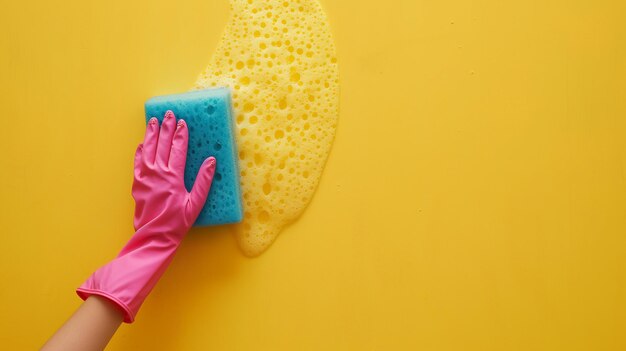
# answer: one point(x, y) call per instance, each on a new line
point(279, 59)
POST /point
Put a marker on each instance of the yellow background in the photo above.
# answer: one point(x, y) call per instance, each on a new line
point(475, 197)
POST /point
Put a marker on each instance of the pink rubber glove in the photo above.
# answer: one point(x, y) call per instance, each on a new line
point(164, 212)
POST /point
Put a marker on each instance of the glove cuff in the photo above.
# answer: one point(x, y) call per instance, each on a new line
point(84, 292)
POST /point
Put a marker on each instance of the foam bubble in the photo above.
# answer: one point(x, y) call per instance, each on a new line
point(280, 61)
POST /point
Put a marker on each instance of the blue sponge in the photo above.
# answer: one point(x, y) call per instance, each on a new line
point(208, 116)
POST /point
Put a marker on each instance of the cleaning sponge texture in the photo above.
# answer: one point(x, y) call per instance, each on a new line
point(208, 117)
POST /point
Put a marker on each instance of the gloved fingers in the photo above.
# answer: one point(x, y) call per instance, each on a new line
point(138, 156)
point(202, 185)
point(168, 126)
point(150, 141)
point(178, 154)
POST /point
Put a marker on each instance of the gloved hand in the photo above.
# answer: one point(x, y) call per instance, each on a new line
point(164, 212)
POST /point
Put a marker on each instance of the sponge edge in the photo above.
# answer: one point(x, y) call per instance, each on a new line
point(208, 115)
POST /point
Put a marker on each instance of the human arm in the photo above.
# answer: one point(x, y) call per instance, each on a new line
point(164, 212)
point(89, 328)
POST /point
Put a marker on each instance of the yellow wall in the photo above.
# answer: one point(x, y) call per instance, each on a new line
point(475, 197)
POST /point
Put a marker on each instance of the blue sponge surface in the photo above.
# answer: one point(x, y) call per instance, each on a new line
point(208, 116)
